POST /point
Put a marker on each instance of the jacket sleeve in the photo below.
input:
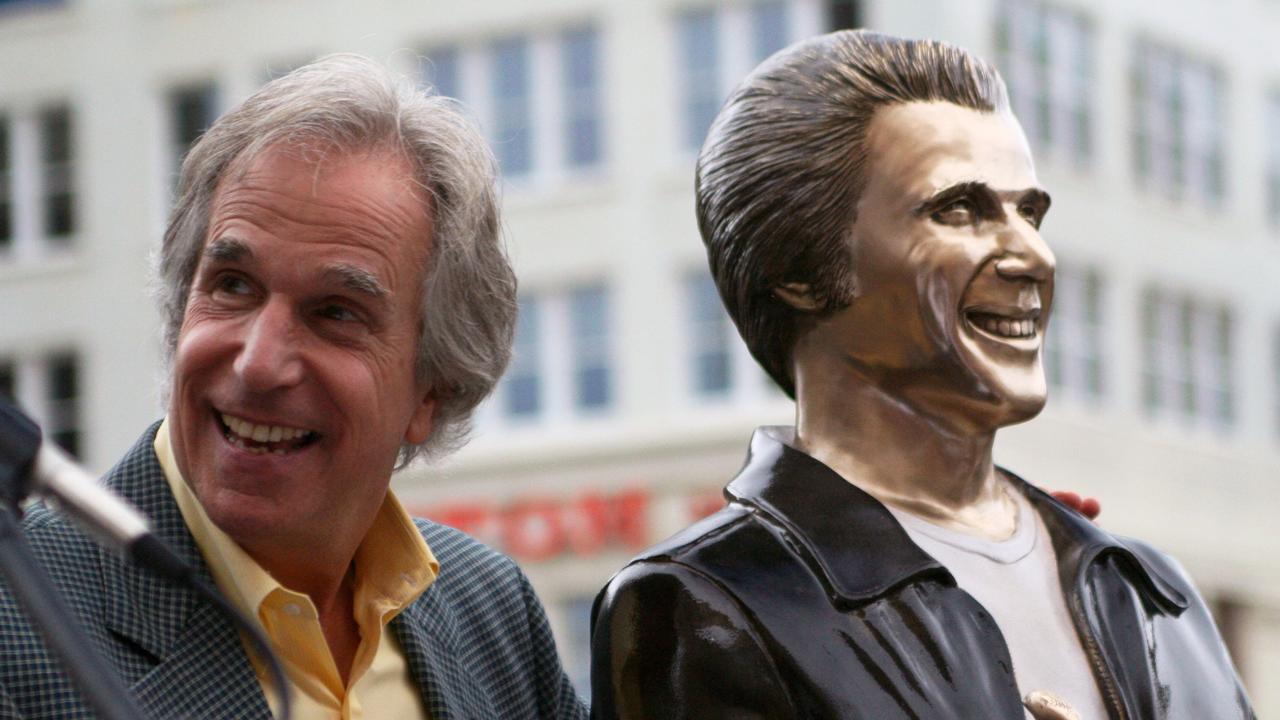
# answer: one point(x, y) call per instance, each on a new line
point(669, 642)
point(556, 696)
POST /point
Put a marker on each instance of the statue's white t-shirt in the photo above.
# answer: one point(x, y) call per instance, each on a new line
point(1016, 580)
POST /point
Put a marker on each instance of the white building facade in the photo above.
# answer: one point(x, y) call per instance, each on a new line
point(1156, 127)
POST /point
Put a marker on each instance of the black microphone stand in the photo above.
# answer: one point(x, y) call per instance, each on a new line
point(35, 591)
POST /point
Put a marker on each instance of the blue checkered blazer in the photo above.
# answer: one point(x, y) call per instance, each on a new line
point(477, 641)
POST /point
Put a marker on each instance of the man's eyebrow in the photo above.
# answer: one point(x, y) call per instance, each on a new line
point(228, 250)
point(358, 280)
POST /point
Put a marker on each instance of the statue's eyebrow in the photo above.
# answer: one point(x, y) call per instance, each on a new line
point(983, 197)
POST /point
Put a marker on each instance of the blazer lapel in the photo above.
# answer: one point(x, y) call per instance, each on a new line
point(197, 666)
point(428, 635)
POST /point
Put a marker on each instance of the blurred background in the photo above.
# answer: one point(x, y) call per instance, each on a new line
point(1156, 126)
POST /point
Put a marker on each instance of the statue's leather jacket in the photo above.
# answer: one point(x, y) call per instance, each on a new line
point(804, 598)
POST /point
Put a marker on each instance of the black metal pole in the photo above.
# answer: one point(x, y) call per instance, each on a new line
point(35, 591)
point(58, 625)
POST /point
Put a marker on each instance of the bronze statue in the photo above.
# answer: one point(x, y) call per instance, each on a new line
point(871, 216)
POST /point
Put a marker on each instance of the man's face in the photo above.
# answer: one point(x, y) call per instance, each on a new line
point(294, 381)
point(952, 280)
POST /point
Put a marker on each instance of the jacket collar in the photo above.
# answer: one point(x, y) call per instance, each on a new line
point(852, 541)
point(1078, 542)
point(186, 637)
point(860, 550)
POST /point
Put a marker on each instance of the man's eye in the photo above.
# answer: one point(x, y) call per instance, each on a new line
point(958, 212)
point(232, 285)
point(339, 313)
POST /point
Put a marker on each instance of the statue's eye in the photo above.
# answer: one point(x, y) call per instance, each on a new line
point(956, 212)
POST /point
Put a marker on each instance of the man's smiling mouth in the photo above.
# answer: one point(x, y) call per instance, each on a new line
point(262, 439)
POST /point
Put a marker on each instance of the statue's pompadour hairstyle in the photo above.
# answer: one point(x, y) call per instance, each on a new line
point(784, 164)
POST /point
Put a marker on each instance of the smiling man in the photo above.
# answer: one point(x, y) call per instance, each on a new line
point(337, 300)
point(871, 215)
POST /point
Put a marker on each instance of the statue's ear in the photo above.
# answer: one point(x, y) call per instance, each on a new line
point(799, 296)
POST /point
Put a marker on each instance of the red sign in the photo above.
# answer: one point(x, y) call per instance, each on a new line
point(541, 528)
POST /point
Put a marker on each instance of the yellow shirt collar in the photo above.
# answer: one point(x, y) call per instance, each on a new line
point(393, 564)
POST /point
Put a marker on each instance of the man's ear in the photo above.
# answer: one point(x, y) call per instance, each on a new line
point(422, 421)
point(799, 296)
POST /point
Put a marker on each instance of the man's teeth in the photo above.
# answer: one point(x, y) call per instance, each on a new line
point(242, 430)
point(1008, 328)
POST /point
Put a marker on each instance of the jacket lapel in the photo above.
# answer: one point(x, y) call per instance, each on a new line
point(851, 540)
point(197, 665)
point(428, 634)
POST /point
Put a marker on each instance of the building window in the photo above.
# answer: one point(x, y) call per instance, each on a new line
point(1179, 124)
point(1187, 350)
point(589, 328)
point(441, 71)
point(843, 15)
point(47, 388)
point(1073, 346)
point(8, 380)
point(1046, 56)
point(719, 368)
point(711, 338)
point(716, 46)
point(580, 64)
point(770, 28)
point(6, 188)
point(38, 213)
point(62, 423)
point(57, 165)
point(192, 109)
point(562, 366)
point(1273, 159)
point(699, 61)
point(523, 391)
point(512, 106)
point(538, 98)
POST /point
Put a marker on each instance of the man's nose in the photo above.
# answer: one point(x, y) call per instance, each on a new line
point(1024, 254)
point(268, 358)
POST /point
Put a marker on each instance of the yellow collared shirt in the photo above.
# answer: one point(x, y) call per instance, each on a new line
point(393, 566)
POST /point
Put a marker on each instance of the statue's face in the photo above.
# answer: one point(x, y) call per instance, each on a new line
point(952, 280)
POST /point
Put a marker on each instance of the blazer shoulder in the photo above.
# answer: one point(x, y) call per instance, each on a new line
point(461, 554)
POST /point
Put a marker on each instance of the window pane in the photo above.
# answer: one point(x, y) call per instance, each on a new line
point(191, 112)
point(770, 28)
point(6, 187)
point(589, 325)
point(523, 395)
point(441, 70)
point(843, 14)
point(512, 107)
point(582, 97)
point(699, 60)
point(8, 380)
point(57, 158)
point(709, 337)
point(63, 397)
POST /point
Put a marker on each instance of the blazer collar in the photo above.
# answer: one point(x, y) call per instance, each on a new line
point(855, 544)
point(194, 647)
point(429, 636)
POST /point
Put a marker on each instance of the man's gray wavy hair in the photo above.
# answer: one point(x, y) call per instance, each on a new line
point(347, 104)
